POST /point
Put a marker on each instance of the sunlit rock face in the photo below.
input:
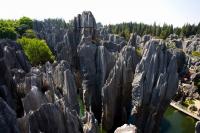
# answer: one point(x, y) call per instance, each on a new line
point(116, 92)
point(126, 129)
point(155, 83)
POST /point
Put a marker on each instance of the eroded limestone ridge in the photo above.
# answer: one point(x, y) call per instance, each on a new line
point(154, 84)
point(109, 74)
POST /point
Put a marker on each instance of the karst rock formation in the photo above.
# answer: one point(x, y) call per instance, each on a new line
point(116, 84)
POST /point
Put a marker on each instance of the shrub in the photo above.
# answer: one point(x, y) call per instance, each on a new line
point(36, 50)
point(188, 102)
point(139, 51)
point(29, 34)
point(25, 23)
point(195, 53)
point(7, 29)
point(7, 32)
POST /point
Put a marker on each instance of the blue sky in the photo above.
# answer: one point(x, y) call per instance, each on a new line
point(176, 12)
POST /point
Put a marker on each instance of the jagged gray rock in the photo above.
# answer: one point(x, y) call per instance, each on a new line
point(13, 63)
point(54, 118)
point(197, 127)
point(70, 91)
point(116, 92)
point(155, 83)
point(192, 44)
point(126, 129)
point(51, 104)
point(134, 40)
point(87, 53)
point(86, 22)
point(90, 124)
point(8, 121)
point(33, 100)
point(51, 30)
point(13, 55)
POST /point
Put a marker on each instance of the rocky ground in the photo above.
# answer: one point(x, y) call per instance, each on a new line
point(116, 83)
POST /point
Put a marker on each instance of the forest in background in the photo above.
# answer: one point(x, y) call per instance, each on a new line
point(125, 29)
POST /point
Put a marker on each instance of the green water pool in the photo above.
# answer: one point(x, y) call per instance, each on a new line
point(175, 121)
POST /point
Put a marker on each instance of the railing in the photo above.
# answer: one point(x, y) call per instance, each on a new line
point(184, 110)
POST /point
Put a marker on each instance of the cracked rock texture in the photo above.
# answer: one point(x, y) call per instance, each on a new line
point(155, 83)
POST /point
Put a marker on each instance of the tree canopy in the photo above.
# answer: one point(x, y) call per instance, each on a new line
point(11, 29)
point(125, 29)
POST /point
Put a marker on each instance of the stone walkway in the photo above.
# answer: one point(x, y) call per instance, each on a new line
point(184, 110)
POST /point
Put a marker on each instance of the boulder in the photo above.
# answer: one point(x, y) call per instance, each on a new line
point(126, 129)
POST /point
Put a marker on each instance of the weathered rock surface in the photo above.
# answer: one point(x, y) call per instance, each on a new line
point(13, 65)
point(54, 118)
point(197, 127)
point(33, 100)
point(51, 105)
point(87, 52)
point(155, 83)
point(126, 129)
point(90, 124)
point(13, 55)
point(116, 92)
point(98, 66)
point(51, 30)
point(8, 119)
point(134, 40)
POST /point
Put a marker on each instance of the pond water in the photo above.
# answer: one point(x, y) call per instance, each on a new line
point(175, 121)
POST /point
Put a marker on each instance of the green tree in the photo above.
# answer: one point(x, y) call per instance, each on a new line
point(8, 32)
point(36, 50)
point(29, 34)
point(25, 23)
point(7, 29)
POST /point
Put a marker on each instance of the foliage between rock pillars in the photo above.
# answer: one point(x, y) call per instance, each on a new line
point(36, 50)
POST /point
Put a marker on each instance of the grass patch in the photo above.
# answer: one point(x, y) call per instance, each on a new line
point(139, 51)
point(82, 109)
point(188, 102)
point(195, 53)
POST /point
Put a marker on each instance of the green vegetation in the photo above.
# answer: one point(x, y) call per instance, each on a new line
point(170, 45)
point(25, 23)
point(11, 29)
point(7, 29)
point(82, 110)
point(195, 53)
point(125, 29)
point(139, 51)
point(36, 50)
point(188, 102)
point(30, 34)
point(101, 130)
point(8, 33)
